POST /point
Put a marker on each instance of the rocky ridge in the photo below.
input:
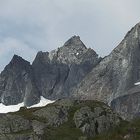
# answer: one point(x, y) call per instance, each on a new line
point(116, 74)
point(52, 74)
point(64, 119)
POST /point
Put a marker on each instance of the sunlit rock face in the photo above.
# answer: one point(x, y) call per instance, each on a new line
point(116, 74)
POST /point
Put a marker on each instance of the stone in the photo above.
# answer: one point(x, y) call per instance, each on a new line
point(94, 122)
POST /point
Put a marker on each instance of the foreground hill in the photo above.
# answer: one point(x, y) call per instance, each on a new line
point(63, 120)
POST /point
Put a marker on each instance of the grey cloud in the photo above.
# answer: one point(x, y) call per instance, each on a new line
point(46, 24)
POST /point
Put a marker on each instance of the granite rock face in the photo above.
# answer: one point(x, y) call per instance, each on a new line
point(76, 119)
point(116, 74)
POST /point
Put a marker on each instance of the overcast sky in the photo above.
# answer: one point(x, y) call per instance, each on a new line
point(29, 26)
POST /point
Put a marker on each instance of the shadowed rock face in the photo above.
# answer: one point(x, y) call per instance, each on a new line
point(116, 73)
point(17, 83)
point(59, 71)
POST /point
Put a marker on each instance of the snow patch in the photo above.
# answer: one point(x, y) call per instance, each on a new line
point(43, 102)
point(10, 108)
point(138, 83)
point(77, 53)
point(14, 108)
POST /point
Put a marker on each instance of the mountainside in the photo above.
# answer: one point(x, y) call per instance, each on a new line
point(62, 120)
point(116, 74)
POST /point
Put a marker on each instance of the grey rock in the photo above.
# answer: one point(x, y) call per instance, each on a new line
point(127, 106)
point(95, 122)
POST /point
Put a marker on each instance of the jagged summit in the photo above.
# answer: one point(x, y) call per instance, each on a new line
point(16, 65)
point(18, 60)
point(73, 51)
point(74, 41)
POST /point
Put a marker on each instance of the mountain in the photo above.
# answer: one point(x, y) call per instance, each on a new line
point(52, 74)
point(62, 120)
point(80, 85)
point(75, 71)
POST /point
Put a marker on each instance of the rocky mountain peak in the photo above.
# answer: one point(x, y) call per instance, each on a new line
point(73, 51)
point(74, 41)
point(17, 60)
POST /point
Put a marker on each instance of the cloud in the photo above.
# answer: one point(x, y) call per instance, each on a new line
point(10, 46)
point(34, 25)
